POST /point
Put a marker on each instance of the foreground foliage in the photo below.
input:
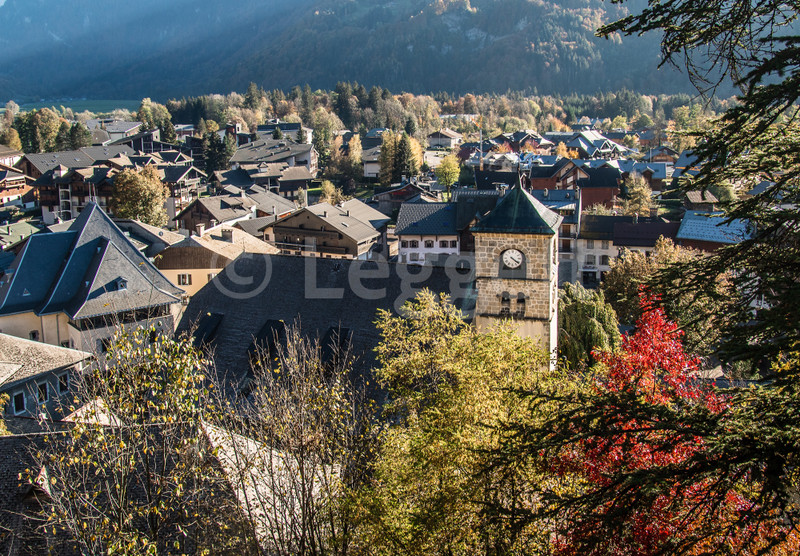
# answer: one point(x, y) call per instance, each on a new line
point(447, 384)
point(649, 461)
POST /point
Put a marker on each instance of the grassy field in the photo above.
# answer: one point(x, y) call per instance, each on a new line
point(96, 106)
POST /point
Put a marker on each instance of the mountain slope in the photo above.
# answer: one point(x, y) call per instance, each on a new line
point(116, 49)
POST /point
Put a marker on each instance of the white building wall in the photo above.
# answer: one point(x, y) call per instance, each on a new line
point(415, 251)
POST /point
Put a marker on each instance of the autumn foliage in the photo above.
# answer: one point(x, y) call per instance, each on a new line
point(635, 458)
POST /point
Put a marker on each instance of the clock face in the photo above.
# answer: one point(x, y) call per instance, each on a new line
point(512, 258)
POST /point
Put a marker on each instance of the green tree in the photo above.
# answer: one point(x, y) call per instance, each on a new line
point(252, 98)
point(140, 195)
point(586, 322)
point(38, 130)
point(387, 158)
point(277, 133)
point(329, 193)
point(168, 134)
point(448, 171)
point(10, 138)
point(79, 136)
point(131, 475)
point(406, 162)
point(638, 195)
point(218, 152)
point(449, 386)
point(62, 140)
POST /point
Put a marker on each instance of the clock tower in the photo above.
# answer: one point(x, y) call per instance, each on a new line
point(516, 268)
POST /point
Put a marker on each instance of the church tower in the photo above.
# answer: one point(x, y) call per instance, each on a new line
point(516, 268)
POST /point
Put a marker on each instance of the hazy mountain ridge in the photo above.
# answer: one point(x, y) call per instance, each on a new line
point(116, 49)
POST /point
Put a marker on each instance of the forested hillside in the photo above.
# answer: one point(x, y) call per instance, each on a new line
point(112, 49)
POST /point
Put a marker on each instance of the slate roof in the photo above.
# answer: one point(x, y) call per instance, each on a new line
point(241, 242)
point(82, 158)
point(658, 169)
point(255, 226)
point(21, 359)
point(320, 293)
point(343, 223)
point(10, 175)
point(487, 179)
point(473, 204)
point(78, 272)
point(222, 208)
point(365, 213)
point(600, 227)
point(174, 174)
point(371, 155)
point(296, 173)
point(433, 219)
point(712, 227)
point(269, 150)
point(643, 233)
point(600, 177)
point(238, 178)
point(11, 234)
point(519, 212)
point(687, 165)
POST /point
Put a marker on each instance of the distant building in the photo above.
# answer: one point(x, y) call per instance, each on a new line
point(426, 231)
point(446, 138)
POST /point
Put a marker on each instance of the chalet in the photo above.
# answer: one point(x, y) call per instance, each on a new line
point(9, 156)
point(661, 154)
point(390, 200)
point(36, 164)
point(115, 129)
point(371, 158)
point(601, 239)
point(524, 140)
point(232, 206)
point(588, 144)
point(280, 150)
point(427, 232)
point(601, 186)
point(64, 192)
point(184, 186)
point(74, 288)
point(146, 142)
point(699, 200)
point(288, 129)
point(324, 230)
point(656, 174)
point(14, 186)
point(446, 138)
point(193, 262)
point(150, 240)
point(37, 377)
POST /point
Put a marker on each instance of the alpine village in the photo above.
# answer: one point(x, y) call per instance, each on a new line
point(335, 319)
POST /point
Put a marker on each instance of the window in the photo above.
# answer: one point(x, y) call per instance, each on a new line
point(34, 335)
point(414, 244)
point(184, 279)
point(604, 260)
point(211, 276)
point(589, 260)
point(103, 344)
point(605, 244)
point(590, 244)
point(453, 243)
point(404, 244)
point(19, 403)
point(444, 244)
point(66, 344)
point(428, 244)
point(63, 383)
point(414, 256)
point(42, 392)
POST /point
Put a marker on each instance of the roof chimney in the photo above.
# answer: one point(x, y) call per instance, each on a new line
point(200, 229)
point(635, 217)
point(546, 193)
point(227, 235)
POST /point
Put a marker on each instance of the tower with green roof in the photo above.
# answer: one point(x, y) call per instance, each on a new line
point(516, 268)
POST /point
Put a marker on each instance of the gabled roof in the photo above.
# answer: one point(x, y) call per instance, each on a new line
point(269, 150)
point(712, 227)
point(82, 158)
point(473, 204)
point(697, 197)
point(519, 212)
point(343, 223)
point(362, 211)
point(426, 219)
point(643, 233)
point(21, 359)
point(488, 179)
point(91, 269)
point(605, 176)
point(446, 132)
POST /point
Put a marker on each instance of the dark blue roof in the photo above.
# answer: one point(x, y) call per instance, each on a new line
point(519, 212)
point(426, 219)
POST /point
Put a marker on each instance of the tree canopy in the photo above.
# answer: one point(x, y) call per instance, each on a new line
point(140, 195)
